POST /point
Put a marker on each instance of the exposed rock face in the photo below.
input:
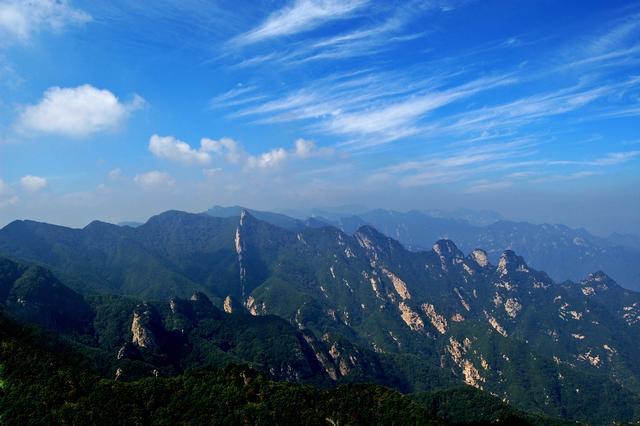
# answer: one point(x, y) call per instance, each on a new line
point(511, 262)
point(464, 303)
point(411, 318)
point(128, 351)
point(457, 317)
point(448, 253)
point(458, 352)
point(398, 284)
point(594, 360)
point(254, 307)
point(375, 285)
point(480, 257)
point(437, 320)
point(496, 326)
point(142, 327)
point(595, 282)
point(323, 358)
point(512, 307)
point(240, 251)
point(471, 374)
point(228, 305)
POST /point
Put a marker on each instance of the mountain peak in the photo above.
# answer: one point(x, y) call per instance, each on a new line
point(447, 249)
point(510, 262)
point(243, 214)
point(598, 276)
point(100, 226)
point(369, 232)
point(480, 257)
point(596, 280)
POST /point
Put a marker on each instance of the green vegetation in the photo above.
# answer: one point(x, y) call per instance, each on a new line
point(329, 313)
point(466, 405)
point(3, 382)
point(47, 387)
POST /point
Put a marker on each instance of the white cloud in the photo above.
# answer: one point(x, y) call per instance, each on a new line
point(488, 186)
point(226, 147)
point(269, 159)
point(33, 183)
point(173, 149)
point(115, 174)
point(307, 149)
point(154, 179)
point(77, 111)
point(6, 197)
point(170, 148)
point(302, 149)
point(4, 187)
point(20, 19)
point(303, 15)
point(614, 158)
point(212, 172)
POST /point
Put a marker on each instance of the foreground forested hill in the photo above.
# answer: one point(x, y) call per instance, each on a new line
point(42, 380)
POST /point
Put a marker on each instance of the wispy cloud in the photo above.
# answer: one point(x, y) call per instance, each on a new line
point(301, 16)
point(386, 26)
point(526, 110)
point(563, 177)
point(488, 186)
point(237, 96)
point(616, 158)
point(385, 105)
point(399, 119)
point(455, 165)
point(617, 33)
point(154, 180)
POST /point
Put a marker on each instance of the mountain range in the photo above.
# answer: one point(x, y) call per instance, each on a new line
point(309, 303)
point(564, 253)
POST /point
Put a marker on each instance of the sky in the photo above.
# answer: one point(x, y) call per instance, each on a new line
point(120, 110)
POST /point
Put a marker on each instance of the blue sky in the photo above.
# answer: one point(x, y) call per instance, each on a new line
point(119, 110)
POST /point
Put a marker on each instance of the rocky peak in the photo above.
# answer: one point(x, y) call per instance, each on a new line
point(247, 219)
point(144, 327)
point(597, 277)
point(480, 257)
point(596, 280)
point(511, 262)
point(229, 305)
point(368, 235)
point(369, 238)
point(448, 253)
